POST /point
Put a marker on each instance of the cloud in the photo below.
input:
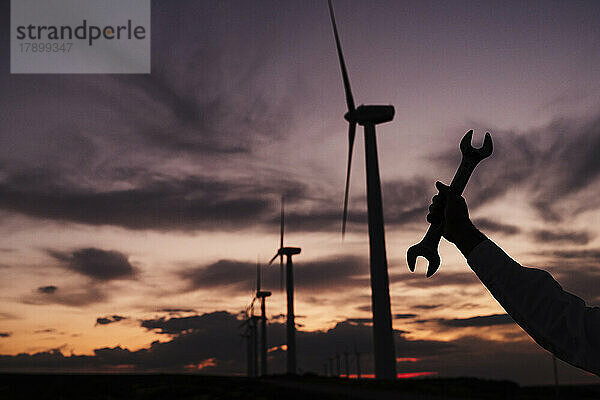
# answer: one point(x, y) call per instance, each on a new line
point(416, 280)
point(160, 204)
point(5, 316)
point(216, 337)
point(49, 330)
point(173, 150)
point(73, 296)
point(489, 225)
point(47, 289)
point(555, 165)
point(203, 99)
point(406, 201)
point(100, 265)
point(176, 310)
point(478, 321)
point(236, 275)
point(427, 306)
point(360, 321)
point(587, 255)
point(561, 236)
point(178, 325)
point(192, 203)
point(109, 320)
point(404, 316)
point(309, 276)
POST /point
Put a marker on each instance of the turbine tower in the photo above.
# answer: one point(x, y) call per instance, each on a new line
point(251, 337)
point(246, 335)
point(357, 356)
point(262, 296)
point(368, 116)
point(288, 252)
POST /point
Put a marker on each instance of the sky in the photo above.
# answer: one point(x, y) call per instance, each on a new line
point(134, 208)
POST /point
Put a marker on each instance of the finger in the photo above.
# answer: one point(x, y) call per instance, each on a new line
point(434, 218)
point(436, 208)
point(430, 218)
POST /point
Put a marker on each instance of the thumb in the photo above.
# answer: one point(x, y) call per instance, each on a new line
point(442, 188)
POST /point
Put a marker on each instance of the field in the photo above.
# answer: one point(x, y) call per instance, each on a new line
point(146, 387)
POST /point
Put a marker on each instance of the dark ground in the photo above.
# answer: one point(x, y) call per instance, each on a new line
point(146, 387)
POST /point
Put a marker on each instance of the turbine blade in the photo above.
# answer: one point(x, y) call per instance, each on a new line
point(257, 277)
point(274, 257)
point(282, 230)
point(351, 135)
point(349, 98)
point(281, 225)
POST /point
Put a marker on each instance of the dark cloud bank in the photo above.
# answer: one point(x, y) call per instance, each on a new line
point(97, 264)
point(107, 140)
point(239, 276)
point(216, 337)
point(478, 321)
point(47, 289)
point(556, 166)
point(97, 267)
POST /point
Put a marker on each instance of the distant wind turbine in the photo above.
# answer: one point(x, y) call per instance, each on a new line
point(251, 337)
point(369, 116)
point(288, 252)
point(357, 355)
point(248, 338)
point(347, 360)
point(262, 296)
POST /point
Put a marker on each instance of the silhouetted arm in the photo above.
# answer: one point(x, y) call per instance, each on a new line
point(557, 320)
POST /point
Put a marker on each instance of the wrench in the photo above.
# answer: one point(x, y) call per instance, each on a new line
point(428, 247)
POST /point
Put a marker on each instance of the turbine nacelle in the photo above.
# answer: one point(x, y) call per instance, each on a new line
point(289, 251)
point(375, 114)
point(286, 251)
point(261, 293)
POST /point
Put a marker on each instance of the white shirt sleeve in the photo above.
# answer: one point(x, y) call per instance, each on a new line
point(557, 320)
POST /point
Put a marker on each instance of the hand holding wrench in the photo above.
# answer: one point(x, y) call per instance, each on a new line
point(428, 247)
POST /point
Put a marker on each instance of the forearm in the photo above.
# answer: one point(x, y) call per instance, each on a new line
point(467, 238)
point(557, 320)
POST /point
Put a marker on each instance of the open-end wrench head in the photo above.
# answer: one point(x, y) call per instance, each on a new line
point(420, 250)
point(472, 153)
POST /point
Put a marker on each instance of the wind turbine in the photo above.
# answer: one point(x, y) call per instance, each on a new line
point(369, 116)
point(357, 355)
point(288, 252)
point(262, 295)
point(347, 359)
point(247, 337)
point(250, 334)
